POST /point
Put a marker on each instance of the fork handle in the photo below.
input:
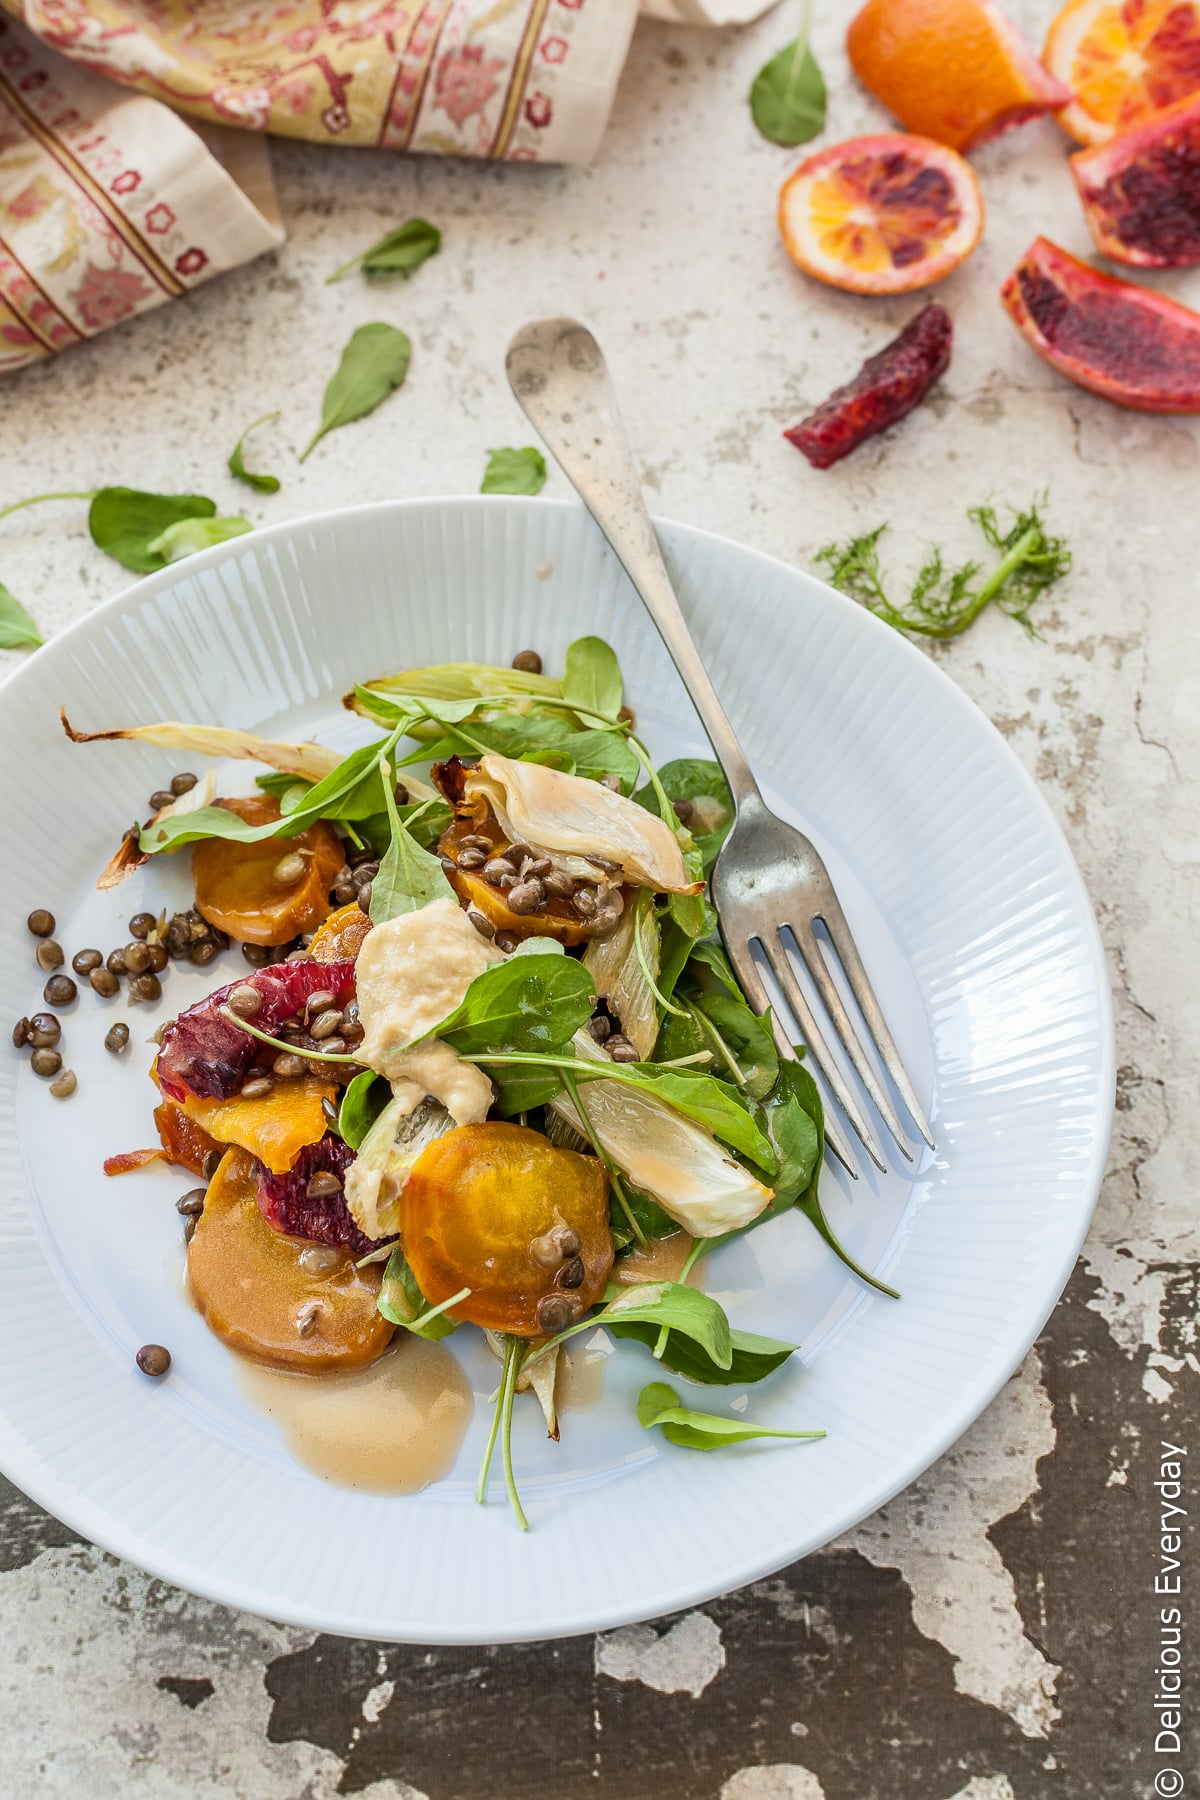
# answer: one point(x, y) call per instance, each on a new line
point(559, 376)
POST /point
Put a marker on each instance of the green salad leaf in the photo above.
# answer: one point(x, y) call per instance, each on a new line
point(125, 522)
point(17, 629)
point(409, 877)
point(660, 1405)
point(592, 679)
point(363, 1099)
point(514, 472)
point(374, 363)
point(702, 784)
point(752, 1358)
point(529, 1002)
point(265, 484)
point(401, 1301)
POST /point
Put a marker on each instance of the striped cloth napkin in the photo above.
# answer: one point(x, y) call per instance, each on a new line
point(112, 201)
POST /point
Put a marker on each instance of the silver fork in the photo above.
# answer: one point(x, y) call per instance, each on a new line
point(769, 879)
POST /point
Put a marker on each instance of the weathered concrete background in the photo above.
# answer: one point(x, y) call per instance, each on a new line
point(991, 1635)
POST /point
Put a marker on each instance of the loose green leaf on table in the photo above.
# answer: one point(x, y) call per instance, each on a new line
point(409, 877)
point(660, 1405)
point(187, 536)
point(125, 522)
point(787, 99)
point(398, 252)
point(941, 603)
point(514, 472)
point(17, 629)
point(374, 363)
point(266, 484)
point(529, 1002)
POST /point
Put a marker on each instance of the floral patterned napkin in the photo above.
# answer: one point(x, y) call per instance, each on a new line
point(111, 202)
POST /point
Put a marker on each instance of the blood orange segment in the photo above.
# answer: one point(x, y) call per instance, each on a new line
point(955, 70)
point(881, 215)
point(884, 391)
point(1141, 190)
point(1123, 60)
point(1133, 346)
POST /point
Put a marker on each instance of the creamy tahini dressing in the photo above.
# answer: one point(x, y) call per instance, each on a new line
point(390, 1428)
point(411, 972)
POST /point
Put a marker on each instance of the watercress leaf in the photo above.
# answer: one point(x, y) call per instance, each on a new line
point(266, 484)
point(671, 1306)
point(787, 99)
point(409, 877)
point(660, 1405)
point(514, 472)
point(592, 678)
point(709, 956)
point(17, 629)
point(373, 365)
point(352, 790)
point(701, 783)
point(794, 1123)
point(125, 521)
point(652, 1221)
point(746, 1036)
point(520, 1090)
point(529, 737)
point(363, 1099)
point(276, 782)
point(187, 536)
point(401, 1301)
point(398, 252)
point(752, 1357)
point(530, 1002)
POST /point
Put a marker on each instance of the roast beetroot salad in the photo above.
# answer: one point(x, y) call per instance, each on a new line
point(488, 1048)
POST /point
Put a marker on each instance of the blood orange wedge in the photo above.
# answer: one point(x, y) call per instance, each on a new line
point(1122, 341)
point(955, 70)
point(1141, 190)
point(881, 215)
point(1123, 60)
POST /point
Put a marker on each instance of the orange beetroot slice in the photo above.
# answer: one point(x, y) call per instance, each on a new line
point(1121, 341)
point(1141, 190)
point(888, 386)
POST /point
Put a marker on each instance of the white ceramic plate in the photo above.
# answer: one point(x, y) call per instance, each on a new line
point(968, 909)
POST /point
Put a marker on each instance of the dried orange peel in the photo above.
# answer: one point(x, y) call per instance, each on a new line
point(1123, 60)
point(881, 215)
point(955, 70)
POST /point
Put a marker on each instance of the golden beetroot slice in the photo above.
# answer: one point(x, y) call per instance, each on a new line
point(1141, 191)
point(266, 1297)
point(341, 936)
point(1132, 346)
point(498, 1209)
point(265, 893)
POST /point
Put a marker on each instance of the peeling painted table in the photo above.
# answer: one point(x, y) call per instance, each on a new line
point(994, 1632)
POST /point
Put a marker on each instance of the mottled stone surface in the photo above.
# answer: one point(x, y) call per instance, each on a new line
point(992, 1634)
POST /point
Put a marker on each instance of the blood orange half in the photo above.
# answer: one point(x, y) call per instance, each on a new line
point(1122, 341)
point(1141, 190)
point(955, 70)
point(1123, 60)
point(881, 215)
